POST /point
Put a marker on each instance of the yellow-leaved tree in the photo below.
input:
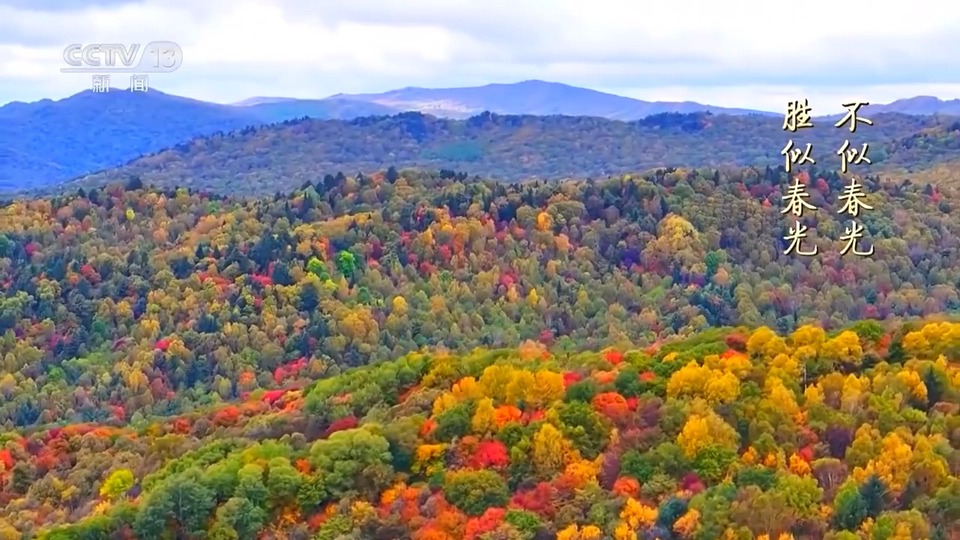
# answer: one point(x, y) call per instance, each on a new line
point(551, 451)
point(119, 482)
point(636, 514)
point(705, 428)
point(547, 387)
point(845, 349)
point(483, 422)
point(576, 532)
point(892, 465)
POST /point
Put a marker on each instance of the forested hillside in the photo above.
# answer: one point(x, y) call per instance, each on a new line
point(47, 142)
point(281, 157)
point(178, 361)
point(731, 434)
point(185, 297)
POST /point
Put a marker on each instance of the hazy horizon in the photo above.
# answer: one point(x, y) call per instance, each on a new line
point(821, 112)
point(292, 48)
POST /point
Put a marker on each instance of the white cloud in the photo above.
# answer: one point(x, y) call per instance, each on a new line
point(746, 53)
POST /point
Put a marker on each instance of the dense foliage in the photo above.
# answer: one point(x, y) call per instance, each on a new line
point(180, 364)
point(729, 434)
point(125, 303)
point(47, 142)
point(262, 160)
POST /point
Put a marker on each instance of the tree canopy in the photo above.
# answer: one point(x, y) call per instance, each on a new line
point(417, 355)
point(443, 445)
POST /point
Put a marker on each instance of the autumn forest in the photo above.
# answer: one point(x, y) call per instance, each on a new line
point(432, 355)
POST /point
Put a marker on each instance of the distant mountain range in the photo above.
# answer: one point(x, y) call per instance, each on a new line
point(51, 141)
point(528, 97)
point(920, 106)
point(47, 142)
point(282, 157)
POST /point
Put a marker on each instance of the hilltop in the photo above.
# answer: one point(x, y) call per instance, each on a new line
point(48, 142)
point(179, 362)
point(51, 141)
point(264, 160)
point(353, 270)
point(532, 97)
point(922, 105)
point(728, 434)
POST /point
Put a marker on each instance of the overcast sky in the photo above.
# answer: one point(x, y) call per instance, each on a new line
point(740, 53)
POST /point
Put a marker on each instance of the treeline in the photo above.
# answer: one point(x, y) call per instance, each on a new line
point(120, 303)
point(261, 160)
point(730, 434)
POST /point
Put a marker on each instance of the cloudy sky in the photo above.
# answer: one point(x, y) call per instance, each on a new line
point(740, 53)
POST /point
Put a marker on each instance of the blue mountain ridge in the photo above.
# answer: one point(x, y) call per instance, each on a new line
point(47, 142)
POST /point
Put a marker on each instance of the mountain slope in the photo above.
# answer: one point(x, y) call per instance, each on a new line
point(921, 105)
point(511, 443)
point(281, 157)
point(47, 142)
point(52, 141)
point(529, 97)
point(278, 110)
point(179, 365)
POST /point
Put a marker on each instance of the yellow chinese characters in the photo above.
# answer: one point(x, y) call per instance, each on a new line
point(798, 116)
point(852, 198)
point(851, 116)
point(795, 199)
point(796, 156)
point(795, 238)
point(852, 156)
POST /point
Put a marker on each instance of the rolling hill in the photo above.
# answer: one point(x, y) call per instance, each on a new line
point(48, 142)
point(422, 356)
point(278, 110)
point(922, 105)
point(533, 444)
point(281, 157)
point(51, 141)
point(530, 98)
